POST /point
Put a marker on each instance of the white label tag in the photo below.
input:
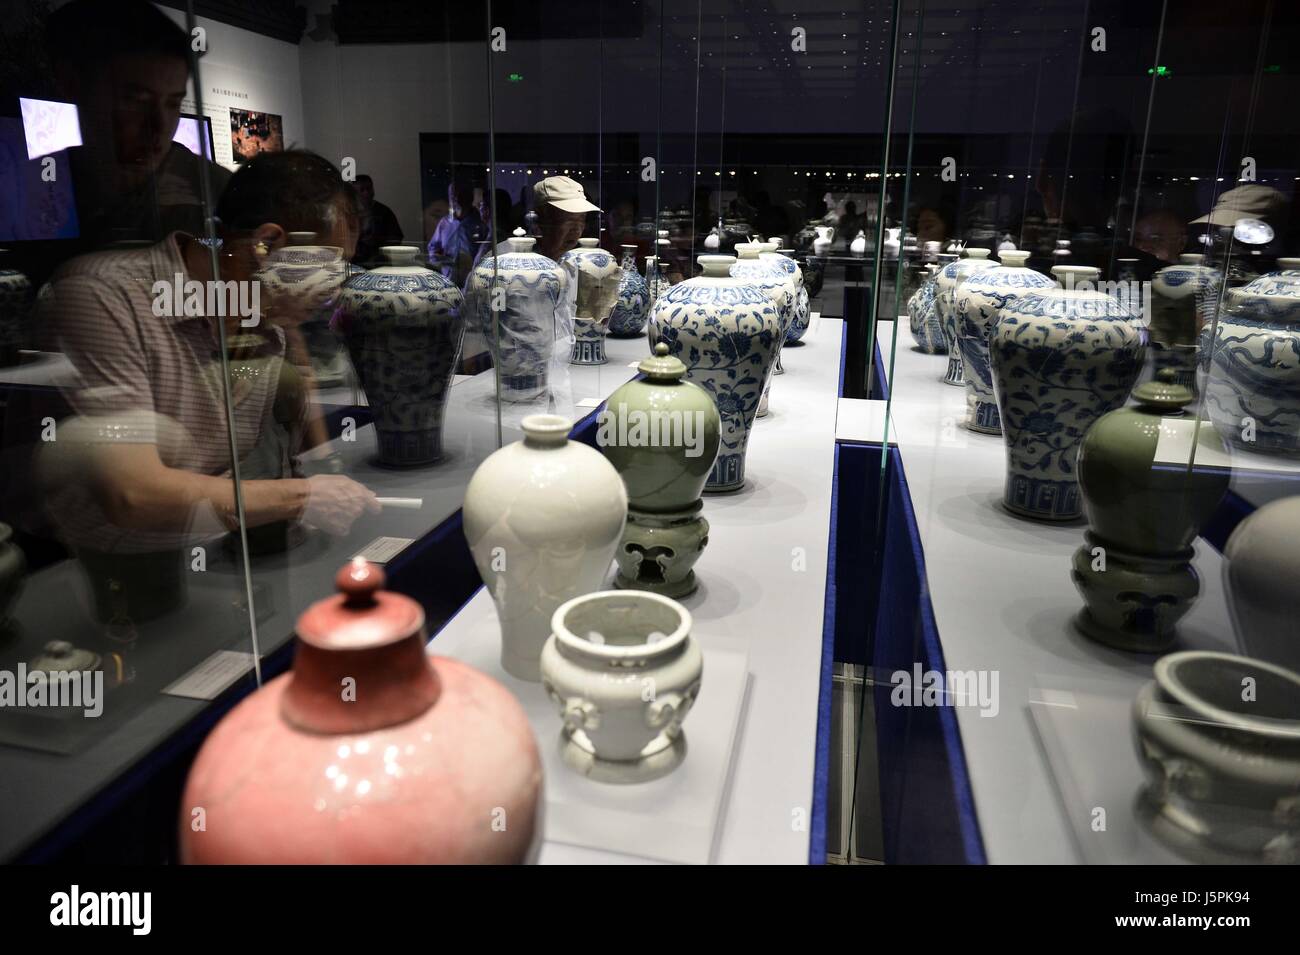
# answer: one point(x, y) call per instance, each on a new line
point(383, 549)
point(211, 677)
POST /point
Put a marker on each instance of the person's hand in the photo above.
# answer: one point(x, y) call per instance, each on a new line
point(334, 502)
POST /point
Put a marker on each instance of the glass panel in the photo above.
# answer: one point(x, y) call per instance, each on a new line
point(124, 585)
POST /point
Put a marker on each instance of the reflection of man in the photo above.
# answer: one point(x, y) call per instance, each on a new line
point(1161, 233)
point(148, 452)
point(562, 209)
point(454, 239)
point(126, 67)
point(1260, 203)
point(379, 226)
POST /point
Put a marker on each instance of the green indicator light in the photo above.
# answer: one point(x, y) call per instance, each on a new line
point(516, 77)
point(1160, 71)
point(1275, 68)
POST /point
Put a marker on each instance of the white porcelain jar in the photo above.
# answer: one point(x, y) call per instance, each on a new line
point(624, 671)
point(542, 517)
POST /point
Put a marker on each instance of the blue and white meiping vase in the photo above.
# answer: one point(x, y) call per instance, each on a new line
point(403, 325)
point(776, 284)
point(597, 275)
point(1250, 373)
point(923, 319)
point(512, 300)
point(801, 314)
point(979, 302)
point(727, 332)
point(632, 309)
point(945, 304)
point(1060, 359)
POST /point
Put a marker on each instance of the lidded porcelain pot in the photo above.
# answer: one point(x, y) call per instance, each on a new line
point(368, 751)
point(543, 517)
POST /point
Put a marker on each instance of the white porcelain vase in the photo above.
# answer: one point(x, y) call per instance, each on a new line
point(542, 517)
point(1260, 554)
point(624, 672)
point(825, 236)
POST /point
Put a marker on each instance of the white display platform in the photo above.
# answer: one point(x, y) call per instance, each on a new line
point(763, 587)
point(864, 420)
point(1079, 731)
point(1003, 600)
point(670, 819)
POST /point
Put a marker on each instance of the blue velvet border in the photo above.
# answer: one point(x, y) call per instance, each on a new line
point(944, 808)
point(825, 688)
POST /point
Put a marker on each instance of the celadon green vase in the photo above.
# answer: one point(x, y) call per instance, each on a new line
point(661, 433)
point(1134, 569)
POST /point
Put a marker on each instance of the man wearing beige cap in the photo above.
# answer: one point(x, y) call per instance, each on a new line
point(1245, 202)
point(562, 209)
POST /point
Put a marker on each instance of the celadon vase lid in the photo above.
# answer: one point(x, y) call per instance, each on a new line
point(1163, 395)
point(662, 366)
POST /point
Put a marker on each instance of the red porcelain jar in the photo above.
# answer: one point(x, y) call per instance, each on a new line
point(369, 751)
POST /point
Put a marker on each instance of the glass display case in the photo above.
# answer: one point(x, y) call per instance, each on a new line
point(901, 390)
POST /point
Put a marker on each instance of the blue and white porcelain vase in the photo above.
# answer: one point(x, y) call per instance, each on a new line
point(403, 325)
point(945, 305)
point(633, 306)
point(512, 300)
point(979, 303)
point(801, 313)
point(727, 332)
point(1060, 359)
point(597, 276)
point(1250, 374)
point(923, 319)
point(775, 282)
